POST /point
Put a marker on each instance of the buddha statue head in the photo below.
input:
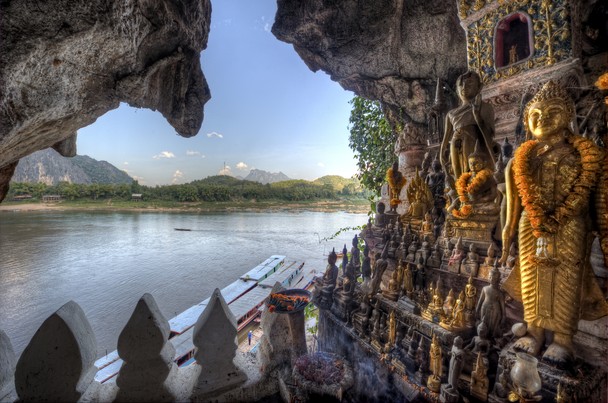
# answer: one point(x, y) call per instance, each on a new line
point(477, 160)
point(549, 113)
point(468, 86)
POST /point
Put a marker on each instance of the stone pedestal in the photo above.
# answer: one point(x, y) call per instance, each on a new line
point(342, 306)
point(477, 229)
point(408, 305)
point(448, 394)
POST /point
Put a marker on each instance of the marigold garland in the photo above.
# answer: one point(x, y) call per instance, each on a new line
point(464, 188)
point(391, 183)
point(602, 84)
point(546, 222)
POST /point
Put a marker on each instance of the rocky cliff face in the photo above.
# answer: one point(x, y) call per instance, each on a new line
point(388, 50)
point(47, 166)
point(264, 177)
point(65, 63)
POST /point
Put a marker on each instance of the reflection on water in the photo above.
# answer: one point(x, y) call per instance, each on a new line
point(106, 261)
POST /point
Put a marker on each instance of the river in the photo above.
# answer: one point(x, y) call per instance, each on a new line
point(105, 261)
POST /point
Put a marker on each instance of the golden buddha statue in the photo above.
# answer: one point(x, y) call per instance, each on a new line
point(477, 189)
point(466, 124)
point(396, 182)
point(555, 183)
point(419, 196)
point(436, 366)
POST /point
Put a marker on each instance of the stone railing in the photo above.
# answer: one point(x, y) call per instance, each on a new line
point(58, 362)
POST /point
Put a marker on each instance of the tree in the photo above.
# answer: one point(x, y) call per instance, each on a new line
point(373, 141)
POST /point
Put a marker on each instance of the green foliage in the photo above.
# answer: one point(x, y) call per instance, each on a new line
point(372, 140)
point(212, 189)
point(311, 312)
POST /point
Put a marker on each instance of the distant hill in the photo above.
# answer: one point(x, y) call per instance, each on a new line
point(339, 183)
point(48, 167)
point(264, 177)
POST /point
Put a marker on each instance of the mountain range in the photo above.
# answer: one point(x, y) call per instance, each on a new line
point(47, 166)
point(264, 177)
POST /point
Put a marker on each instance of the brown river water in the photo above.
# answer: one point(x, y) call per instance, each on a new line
point(105, 261)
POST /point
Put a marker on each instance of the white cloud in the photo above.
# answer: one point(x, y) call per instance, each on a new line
point(241, 165)
point(226, 171)
point(267, 27)
point(164, 154)
point(177, 175)
point(321, 164)
point(215, 134)
point(125, 163)
point(191, 153)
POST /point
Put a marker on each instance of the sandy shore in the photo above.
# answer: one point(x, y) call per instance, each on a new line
point(321, 207)
point(30, 207)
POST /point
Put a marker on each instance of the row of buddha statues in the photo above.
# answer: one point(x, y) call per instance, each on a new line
point(551, 205)
point(549, 200)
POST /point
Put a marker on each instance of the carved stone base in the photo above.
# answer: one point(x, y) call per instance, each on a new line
point(377, 346)
point(342, 306)
point(477, 229)
point(433, 383)
point(408, 305)
point(448, 394)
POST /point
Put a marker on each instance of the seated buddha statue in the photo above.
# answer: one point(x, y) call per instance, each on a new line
point(476, 189)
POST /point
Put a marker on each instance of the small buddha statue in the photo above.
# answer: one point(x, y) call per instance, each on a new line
point(512, 257)
point(447, 249)
point(396, 181)
point(366, 267)
point(379, 269)
point(392, 331)
point(411, 251)
point(470, 292)
point(492, 252)
point(380, 219)
point(435, 365)
point(394, 284)
point(420, 275)
point(507, 149)
point(456, 257)
point(427, 225)
point(479, 379)
point(480, 343)
point(328, 283)
point(471, 263)
point(425, 249)
point(456, 364)
point(476, 189)
point(436, 179)
point(434, 260)
point(408, 280)
point(355, 254)
point(458, 320)
point(491, 305)
point(448, 304)
point(349, 280)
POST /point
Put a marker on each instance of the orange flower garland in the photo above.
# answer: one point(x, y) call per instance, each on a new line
point(544, 222)
point(393, 186)
point(602, 84)
point(464, 188)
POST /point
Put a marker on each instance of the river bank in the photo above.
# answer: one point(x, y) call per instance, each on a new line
point(346, 205)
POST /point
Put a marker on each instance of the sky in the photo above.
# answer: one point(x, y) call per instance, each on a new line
point(267, 111)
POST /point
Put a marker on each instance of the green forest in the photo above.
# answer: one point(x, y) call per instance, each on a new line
point(210, 189)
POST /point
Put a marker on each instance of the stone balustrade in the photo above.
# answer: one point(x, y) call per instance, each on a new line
point(58, 362)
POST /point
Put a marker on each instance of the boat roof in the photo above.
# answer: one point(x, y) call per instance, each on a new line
point(282, 275)
point(247, 302)
point(261, 270)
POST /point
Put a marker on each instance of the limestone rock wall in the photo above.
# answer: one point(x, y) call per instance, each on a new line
point(65, 63)
point(388, 50)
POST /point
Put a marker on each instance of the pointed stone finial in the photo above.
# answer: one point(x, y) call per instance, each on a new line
point(7, 365)
point(439, 98)
point(214, 336)
point(58, 363)
point(148, 365)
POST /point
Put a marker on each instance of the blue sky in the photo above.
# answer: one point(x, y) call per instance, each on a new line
point(267, 111)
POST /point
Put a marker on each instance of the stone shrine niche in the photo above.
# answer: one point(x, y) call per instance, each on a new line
point(513, 40)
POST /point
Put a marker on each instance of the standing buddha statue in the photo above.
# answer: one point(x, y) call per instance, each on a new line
point(555, 183)
point(396, 182)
